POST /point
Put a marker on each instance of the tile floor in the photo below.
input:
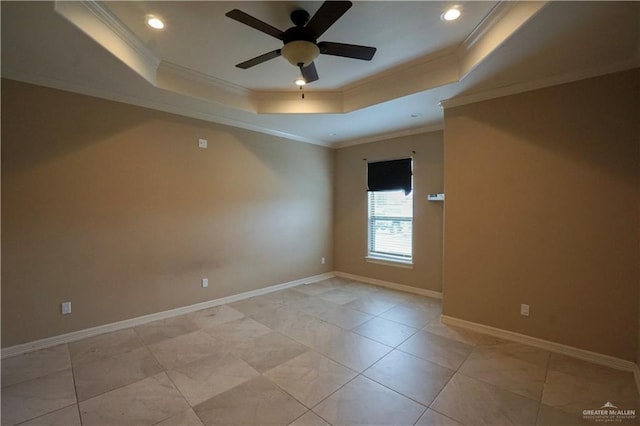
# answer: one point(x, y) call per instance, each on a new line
point(329, 353)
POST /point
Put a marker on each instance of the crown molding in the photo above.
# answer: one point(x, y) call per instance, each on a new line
point(171, 108)
point(186, 81)
point(503, 21)
point(402, 81)
point(445, 67)
point(528, 86)
point(391, 135)
point(105, 29)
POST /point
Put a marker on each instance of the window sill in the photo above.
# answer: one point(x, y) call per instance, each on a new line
point(389, 262)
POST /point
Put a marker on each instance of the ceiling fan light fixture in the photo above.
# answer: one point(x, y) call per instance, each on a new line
point(452, 14)
point(300, 52)
point(300, 81)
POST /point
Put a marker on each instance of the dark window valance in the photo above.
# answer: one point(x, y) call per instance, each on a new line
point(389, 175)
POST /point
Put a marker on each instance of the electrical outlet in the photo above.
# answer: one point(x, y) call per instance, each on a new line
point(322, 260)
point(202, 143)
point(205, 282)
point(65, 308)
point(524, 310)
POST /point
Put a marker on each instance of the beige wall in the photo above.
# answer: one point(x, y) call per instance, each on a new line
point(350, 213)
point(115, 208)
point(542, 208)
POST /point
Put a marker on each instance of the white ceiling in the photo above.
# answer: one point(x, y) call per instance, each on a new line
point(106, 50)
point(407, 31)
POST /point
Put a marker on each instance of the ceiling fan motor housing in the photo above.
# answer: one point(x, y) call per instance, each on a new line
point(300, 47)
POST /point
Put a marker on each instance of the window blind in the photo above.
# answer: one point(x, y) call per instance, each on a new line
point(389, 175)
point(391, 225)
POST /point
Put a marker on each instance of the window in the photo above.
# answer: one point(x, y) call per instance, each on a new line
point(390, 211)
point(391, 225)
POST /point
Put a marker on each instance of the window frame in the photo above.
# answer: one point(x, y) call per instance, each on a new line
point(390, 259)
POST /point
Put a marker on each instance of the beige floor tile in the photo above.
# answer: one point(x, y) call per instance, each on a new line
point(587, 370)
point(309, 419)
point(68, 416)
point(332, 313)
point(105, 374)
point(353, 351)
point(390, 333)
point(186, 418)
point(339, 296)
point(412, 316)
point(279, 317)
point(363, 401)
point(549, 416)
point(503, 366)
point(413, 377)
point(446, 352)
point(157, 331)
point(526, 353)
point(424, 302)
point(373, 304)
point(310, 377)
point(573, 394)
point(460, 334)
point(33, 398)
point(35, 364)
point(255, 306)
point(470, 401)
point(312, 289)
point(104, 345)
point(306, 329)
point(146, 402)
point(433, 418)
point(361, 289)
point(396, 296)
point(285, 297)
point(332, 283)
point(215, 356)
point(256, 402)
point(268, 351)
point(207, 377)
point(217, 315)
point(233, 332)
point(184, 349)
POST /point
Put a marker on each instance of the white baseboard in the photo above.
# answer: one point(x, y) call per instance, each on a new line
point(388, 284)
point(596, 358)
point(133, 322)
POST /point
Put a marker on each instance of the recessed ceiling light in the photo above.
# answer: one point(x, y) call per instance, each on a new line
point(300, 81)
point(451, 14)
point(154, 22)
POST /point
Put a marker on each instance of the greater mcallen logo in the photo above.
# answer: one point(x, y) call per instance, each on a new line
point(609, 413)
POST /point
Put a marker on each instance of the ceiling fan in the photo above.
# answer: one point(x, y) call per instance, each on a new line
point(301, 46)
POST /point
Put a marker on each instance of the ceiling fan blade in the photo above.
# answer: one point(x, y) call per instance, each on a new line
point(309, 73)
point(259, 59)
point(347, 50)
point(249, 20)
point(327, 15)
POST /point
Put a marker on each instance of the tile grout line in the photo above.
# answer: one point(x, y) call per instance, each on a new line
point(75, 389)
point(544, 384)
